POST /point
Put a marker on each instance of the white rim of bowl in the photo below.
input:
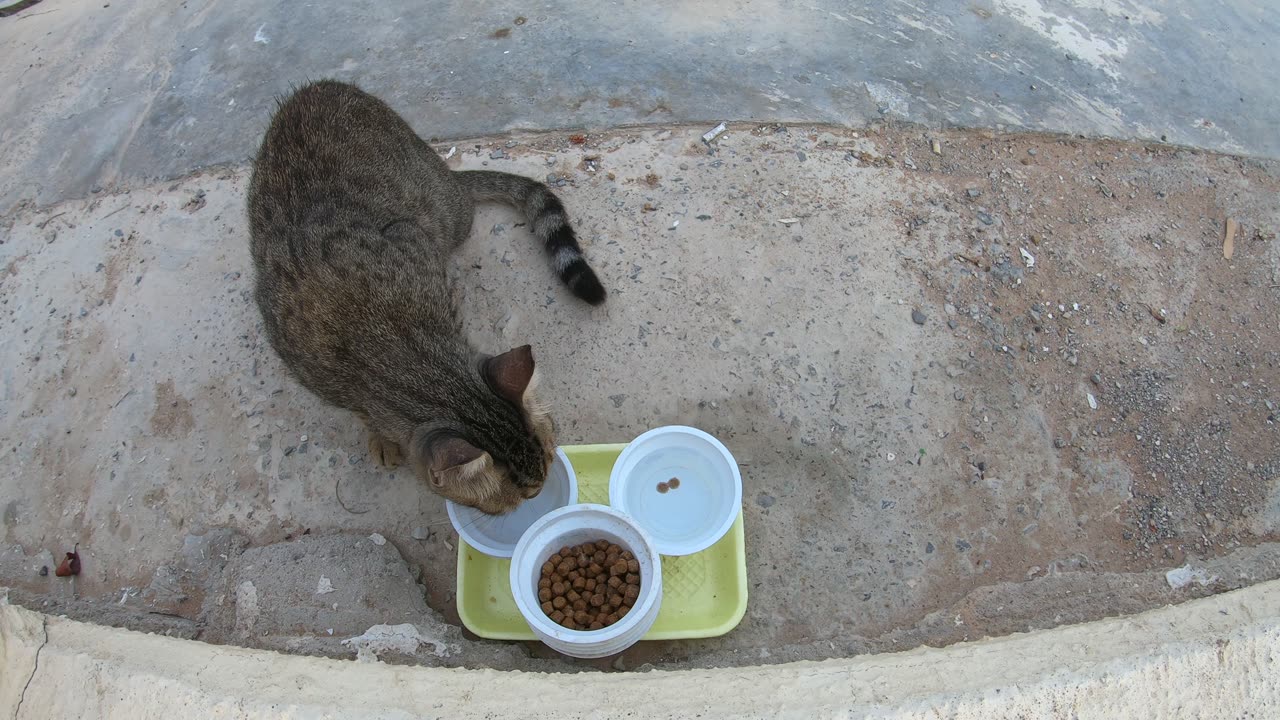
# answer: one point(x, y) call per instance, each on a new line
point(534, 615)
point(618, 500)
point(494, 551)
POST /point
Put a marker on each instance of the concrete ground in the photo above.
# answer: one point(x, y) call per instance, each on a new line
point(847, 305)
point(1207, 658)
point(94, 94)
point(850, 311)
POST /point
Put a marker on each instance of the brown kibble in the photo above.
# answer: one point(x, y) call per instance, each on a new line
point(673, 483)
point(589, 586)
point(663, 487)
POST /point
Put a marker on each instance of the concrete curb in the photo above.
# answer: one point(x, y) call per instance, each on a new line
point(1214, 657)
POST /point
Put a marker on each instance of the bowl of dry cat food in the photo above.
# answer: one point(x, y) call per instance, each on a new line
point(588, 580)
point(497, 535)
point(679, 483)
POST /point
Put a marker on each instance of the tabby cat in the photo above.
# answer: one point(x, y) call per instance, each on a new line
point(352, 220)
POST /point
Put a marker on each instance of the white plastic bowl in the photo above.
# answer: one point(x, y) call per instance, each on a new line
point(575, 525)
point(497, 535)
point(693, 516)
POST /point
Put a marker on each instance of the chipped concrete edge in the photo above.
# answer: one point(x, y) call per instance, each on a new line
point(1214, 657)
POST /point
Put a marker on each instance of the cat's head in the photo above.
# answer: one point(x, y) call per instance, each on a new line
point(499, 454)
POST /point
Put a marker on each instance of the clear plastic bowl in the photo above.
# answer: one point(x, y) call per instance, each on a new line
point(497, 535)
point(575, 525)
point(690, 513)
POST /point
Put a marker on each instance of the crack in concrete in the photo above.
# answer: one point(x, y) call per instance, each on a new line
point(44, 630)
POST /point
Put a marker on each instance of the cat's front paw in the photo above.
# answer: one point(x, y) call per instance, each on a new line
point(384, 452)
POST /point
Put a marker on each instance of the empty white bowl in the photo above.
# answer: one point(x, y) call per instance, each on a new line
point(574, 526)
point(691, 514)
point(497, 535)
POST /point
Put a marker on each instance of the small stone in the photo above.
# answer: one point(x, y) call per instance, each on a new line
point(44, 571)
point(928, 548)
point(378, 539)
point(1096, 379)
point(765, 500)
point(985, 218)
point(961, 545)
point(497, 154)
point(1032, 151)
point(72, 392)
point(1059, 443)
point(801, 156)
point(973, 192)
point(420, 533)
point(958, 395)
point(918, 317)
point(952, 324)
point(949, 309)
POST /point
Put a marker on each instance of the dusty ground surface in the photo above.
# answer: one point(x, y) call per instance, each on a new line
point(94, 94)
point(850, 311)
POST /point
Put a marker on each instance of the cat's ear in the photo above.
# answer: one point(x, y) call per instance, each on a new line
point(510, 373)
point(446, 456)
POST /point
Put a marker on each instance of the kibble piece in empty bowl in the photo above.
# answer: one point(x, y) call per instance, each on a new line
point(497, 535)
point(681, 485)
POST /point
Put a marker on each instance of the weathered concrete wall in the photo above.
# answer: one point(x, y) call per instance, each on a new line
point(1215, 657)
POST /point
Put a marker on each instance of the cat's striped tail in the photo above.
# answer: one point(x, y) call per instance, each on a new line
point(548, 221)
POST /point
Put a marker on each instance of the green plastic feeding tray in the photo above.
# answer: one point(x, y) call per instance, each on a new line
point(703, 595)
